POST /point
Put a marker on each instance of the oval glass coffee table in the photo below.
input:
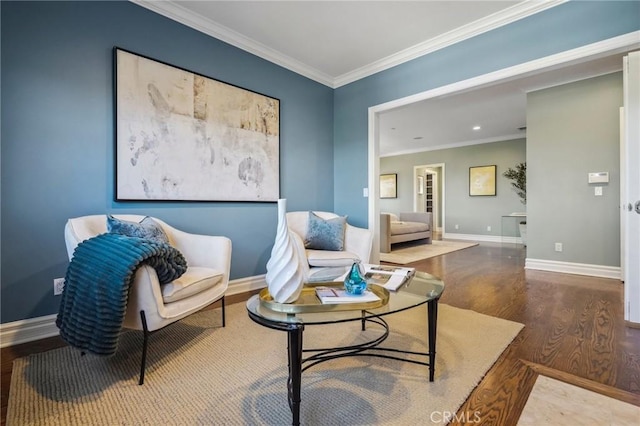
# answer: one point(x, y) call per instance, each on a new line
point(420, 289)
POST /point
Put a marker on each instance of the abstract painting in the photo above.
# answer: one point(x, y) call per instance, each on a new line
point(181, 136)
point(482, 180)
point(388, 185)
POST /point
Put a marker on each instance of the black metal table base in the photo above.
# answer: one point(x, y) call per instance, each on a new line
point(298, 364)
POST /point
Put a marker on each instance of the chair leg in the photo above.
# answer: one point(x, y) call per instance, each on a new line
point(223, 313)
point(145, 332)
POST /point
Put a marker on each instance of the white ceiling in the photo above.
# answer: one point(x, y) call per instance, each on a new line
point(338, 42)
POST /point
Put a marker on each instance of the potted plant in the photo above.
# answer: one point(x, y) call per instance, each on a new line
point(518, 177)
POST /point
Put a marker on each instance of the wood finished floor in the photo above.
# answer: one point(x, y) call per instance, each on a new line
point(574, 330)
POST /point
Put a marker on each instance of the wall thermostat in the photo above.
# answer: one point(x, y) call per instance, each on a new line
point(599, 177)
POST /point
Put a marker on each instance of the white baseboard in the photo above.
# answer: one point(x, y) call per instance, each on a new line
point(484, 238)
point(602, 271)
point(16, 332)
point(243, 285)
point(23, 331)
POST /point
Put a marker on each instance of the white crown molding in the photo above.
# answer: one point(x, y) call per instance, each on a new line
point(23, 331)
point(178, 13)
point(174, 11)
point(611, 46)
point(491, 22)
point(601, 271)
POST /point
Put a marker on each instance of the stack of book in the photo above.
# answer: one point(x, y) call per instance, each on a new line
point(338, 295)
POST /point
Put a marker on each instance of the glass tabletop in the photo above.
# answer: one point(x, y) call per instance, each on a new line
point(419, 289)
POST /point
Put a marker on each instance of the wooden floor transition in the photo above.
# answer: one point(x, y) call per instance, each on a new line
point(574, 327)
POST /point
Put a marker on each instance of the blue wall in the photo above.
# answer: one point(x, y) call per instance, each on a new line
point(558, 29)
point(58, 137)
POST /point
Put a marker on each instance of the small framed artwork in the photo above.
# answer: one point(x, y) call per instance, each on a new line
point(420, 185)
point(388, 185)
point(482, 181)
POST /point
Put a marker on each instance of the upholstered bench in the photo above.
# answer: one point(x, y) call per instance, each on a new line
point(404, 227)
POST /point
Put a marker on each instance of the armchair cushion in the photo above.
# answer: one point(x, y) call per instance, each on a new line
point(193, 281)
point(325, 234)
point(147, 228)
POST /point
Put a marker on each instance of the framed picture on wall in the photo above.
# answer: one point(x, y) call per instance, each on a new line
point(388, 185)
point(482, 181)
point(182, 136)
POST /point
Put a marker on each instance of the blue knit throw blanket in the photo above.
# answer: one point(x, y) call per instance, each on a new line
point(97, 283)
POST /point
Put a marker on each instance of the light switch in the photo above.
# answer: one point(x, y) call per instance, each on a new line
point(365, 192)
point(598, 191)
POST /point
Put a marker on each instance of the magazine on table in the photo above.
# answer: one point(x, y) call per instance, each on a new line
point(388, 270)
point(338, 295)
point(390, 277)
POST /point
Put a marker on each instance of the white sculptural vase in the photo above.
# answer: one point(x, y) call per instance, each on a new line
point(285, 276)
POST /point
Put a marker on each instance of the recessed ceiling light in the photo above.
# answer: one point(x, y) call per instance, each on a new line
point(417, 138)
point(477, 127)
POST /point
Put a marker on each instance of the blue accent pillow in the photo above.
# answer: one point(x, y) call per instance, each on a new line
point(325, 234)
point(147, 228)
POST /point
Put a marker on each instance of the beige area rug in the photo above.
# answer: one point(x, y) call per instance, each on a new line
point(553, 402)
point(201, 374)
point(405, 255)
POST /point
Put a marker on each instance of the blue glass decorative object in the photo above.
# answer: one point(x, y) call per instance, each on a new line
point(354, 283)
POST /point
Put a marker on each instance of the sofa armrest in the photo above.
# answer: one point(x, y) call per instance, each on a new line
point(418, 217)
point(385, 233)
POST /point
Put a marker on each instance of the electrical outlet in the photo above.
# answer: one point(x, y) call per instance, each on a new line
point(488, 228)
point(58, 286)
point(598, 191)
point(558, 246)
point(457, 226)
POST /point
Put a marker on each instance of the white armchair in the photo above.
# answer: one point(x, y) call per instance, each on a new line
point(326, 264)
point(151, 306)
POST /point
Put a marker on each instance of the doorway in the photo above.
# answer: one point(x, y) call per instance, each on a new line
point(429, 196)
point(585, 54)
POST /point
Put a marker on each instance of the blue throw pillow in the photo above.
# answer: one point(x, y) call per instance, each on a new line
point(325, 234)
point(147, 228)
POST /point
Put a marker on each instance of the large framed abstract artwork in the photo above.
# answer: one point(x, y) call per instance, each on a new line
point(482, 180)
point(181, 136)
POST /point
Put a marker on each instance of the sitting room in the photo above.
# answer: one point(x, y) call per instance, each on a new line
point(179, 178)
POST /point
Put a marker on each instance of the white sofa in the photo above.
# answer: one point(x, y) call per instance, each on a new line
point(325, 265)
point(404, 227)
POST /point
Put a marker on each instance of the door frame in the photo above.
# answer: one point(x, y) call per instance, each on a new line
point(630, 189)
point(440, 181)
point(619, 44)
